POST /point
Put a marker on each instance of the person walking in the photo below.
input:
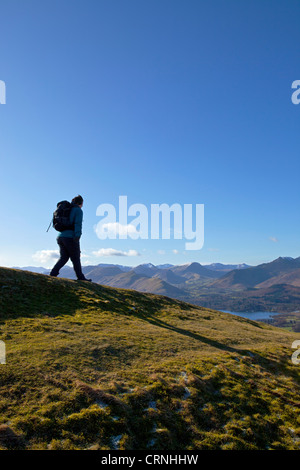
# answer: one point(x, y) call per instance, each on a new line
point(68, 241)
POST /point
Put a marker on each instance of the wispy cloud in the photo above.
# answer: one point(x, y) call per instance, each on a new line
point(113, 252)
point(175, 252)
point(45, 256)
point(273, 239)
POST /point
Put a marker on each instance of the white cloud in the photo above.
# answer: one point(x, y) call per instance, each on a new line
point(175, 252)
point(86, 262)
point(45, 256)
point(161, 252)
point(273, 239)
point(113, 252)
point(113, 229)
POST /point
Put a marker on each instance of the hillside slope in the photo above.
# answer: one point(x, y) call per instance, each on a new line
point(132, 280)
point(291, 278)
point(256, 275)
point(104, 368)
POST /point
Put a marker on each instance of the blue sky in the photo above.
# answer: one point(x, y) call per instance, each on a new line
point(164, 101)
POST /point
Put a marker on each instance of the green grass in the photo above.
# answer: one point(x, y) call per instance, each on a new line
point(96, 367)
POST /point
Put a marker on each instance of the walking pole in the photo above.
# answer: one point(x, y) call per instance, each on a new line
point(49, 225)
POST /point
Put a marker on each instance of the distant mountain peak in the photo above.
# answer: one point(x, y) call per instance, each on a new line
point(284, 259)
point(147, 265)
point(164, 266)
point(191, 264)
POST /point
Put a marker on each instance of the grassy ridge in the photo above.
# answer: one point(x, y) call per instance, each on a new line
point(96, 367)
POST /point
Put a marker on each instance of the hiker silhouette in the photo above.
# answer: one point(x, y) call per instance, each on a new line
point(67, 220)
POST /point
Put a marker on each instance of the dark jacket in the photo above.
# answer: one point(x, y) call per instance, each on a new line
point(76, 216)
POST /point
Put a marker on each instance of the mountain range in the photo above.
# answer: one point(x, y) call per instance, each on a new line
point(255, 276)
point(241, 287)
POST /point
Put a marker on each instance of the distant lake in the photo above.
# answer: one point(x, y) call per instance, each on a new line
point(254, 315)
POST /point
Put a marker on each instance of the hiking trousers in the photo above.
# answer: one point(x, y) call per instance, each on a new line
point(69, 249)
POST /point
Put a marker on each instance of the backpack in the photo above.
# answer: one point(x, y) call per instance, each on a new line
point(61, 217)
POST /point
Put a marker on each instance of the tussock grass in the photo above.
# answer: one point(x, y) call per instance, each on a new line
point(93, 367)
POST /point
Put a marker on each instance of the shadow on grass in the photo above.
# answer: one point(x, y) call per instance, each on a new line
point(274, 367)
point(190, 334)
point(25, 294)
